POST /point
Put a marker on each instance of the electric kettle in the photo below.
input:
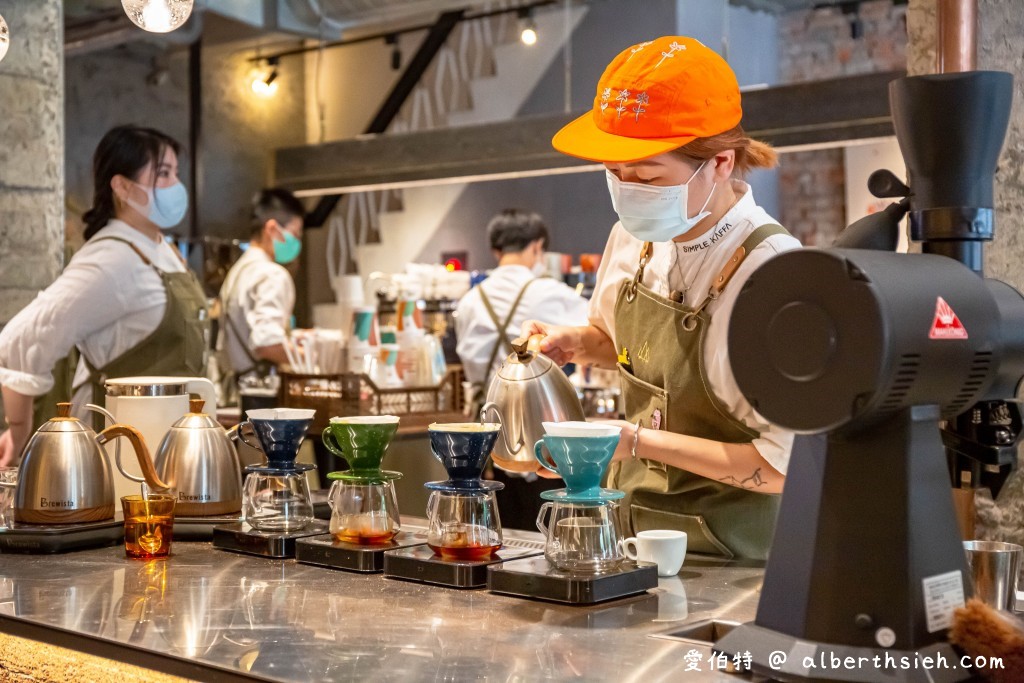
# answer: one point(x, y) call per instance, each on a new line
point(65, 475)
point(528, 390)
point(198, 461)
point(152, 405)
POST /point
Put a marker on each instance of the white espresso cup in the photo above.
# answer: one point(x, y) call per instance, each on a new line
point(664, 547)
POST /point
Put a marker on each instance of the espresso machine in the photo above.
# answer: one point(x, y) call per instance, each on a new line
point(881, 362)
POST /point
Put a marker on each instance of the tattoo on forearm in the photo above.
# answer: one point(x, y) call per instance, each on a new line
point(752, 482)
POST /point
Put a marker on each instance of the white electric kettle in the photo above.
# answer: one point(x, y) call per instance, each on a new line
point(152, 405)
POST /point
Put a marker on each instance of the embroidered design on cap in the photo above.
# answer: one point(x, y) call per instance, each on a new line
point(641, 100)
point(672, 50)
point(678, 91)
point(636, 49)
point(623, 100)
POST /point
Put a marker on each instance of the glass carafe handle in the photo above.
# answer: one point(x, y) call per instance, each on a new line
point(432, 503)
point(541, 526)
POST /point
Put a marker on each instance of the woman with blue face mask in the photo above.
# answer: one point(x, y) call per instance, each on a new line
point(125, 305)
point(258, 295)
point(694, 455)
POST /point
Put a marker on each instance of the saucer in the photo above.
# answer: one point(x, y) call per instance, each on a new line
point(296, 467)
point(372, 477)
point(469, 486)
point(589, 496)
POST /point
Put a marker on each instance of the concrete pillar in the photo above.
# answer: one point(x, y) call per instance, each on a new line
point(31, 152)
point(1000, 25)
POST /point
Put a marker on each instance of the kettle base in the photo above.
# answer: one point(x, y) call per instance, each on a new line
point(209, 508)
point(58, 516)
point(520, 466)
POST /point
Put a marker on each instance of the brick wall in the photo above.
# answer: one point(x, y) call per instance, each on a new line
point(820, 44)
point(813, 195)
point(31, 141)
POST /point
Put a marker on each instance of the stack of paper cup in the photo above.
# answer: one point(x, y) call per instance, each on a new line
point(349, 293)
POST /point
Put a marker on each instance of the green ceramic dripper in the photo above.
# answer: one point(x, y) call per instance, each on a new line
point(361, 441)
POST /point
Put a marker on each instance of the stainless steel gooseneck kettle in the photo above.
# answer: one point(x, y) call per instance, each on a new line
point(527, 390)
point(197, 459)
point(65, 475)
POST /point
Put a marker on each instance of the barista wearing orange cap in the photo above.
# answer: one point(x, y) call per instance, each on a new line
point(694, 455)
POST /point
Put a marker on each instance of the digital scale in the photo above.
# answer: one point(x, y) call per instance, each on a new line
point(326, 551)
point(420, 563)
point(61, 538)
point(534, 577)
point(242, 538)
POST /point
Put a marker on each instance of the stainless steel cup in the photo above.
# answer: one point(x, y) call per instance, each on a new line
point(994, 568)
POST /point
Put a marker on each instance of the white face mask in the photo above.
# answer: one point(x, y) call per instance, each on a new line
point(652, 213)
point(540, 268)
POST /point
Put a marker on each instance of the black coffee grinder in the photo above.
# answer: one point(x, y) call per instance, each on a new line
point(879, 361)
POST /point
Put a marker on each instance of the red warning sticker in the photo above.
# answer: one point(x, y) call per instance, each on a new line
point(946, 324)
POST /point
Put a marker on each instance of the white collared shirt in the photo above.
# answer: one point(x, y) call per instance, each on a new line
point(259, 296)
point(105, 302)
point(547, 300)
point(693, 264)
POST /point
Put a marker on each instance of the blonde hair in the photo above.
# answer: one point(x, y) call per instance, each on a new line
point(750, 153)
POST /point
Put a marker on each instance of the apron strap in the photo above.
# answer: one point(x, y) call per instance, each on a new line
point(134, 248)
point(96, 374)
point(718, 285)
point(502, 335)
point(232, 328)
point(645, 258)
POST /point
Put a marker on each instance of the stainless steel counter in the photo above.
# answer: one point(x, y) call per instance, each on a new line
point(209, 614)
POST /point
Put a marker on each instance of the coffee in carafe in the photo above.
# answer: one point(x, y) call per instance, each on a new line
point(364, 507)
point(462, 512)
point(463, 526)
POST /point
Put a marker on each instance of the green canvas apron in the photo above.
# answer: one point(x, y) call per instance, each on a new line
point(501, 327)
point(668, 389)
point(176, 348)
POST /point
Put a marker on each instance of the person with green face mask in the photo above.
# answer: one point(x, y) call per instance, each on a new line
point(258, 294)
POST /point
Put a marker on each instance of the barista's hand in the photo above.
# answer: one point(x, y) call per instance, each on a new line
point(560, 343)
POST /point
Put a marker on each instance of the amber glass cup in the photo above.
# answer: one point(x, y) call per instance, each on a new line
point(148, 523)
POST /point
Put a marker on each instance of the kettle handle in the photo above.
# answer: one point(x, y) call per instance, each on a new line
point(113, 421)
point(141, 452)
point(501, 424)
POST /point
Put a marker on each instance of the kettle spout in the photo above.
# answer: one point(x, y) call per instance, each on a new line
point(134, 437)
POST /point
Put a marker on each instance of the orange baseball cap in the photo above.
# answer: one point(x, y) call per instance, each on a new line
point(655, 97)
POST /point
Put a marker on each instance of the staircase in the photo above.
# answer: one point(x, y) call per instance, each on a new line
point(482, 74)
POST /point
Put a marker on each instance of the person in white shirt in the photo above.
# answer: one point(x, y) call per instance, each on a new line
point(126, 300)
point(694, 455)
point(491, 314)
point(258, 295)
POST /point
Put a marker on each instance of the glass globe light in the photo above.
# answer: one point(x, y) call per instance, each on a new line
point(158, 16)
point(5, 38)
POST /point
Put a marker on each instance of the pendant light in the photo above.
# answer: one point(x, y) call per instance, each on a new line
point(158, 16)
